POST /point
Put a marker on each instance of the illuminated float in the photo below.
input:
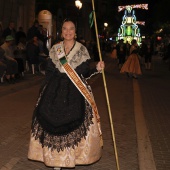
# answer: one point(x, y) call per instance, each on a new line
point(129, 29)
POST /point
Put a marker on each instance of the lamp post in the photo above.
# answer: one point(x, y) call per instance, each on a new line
point(106, 24)
point(78, 4)
point(105, 29)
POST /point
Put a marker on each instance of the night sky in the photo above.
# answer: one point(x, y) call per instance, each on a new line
point(139, 1)
point(151, 3)
point(156, 13)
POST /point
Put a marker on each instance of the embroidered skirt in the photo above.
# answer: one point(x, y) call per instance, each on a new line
point(87, 151)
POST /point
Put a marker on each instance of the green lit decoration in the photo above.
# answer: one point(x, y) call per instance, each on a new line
point(129, 29)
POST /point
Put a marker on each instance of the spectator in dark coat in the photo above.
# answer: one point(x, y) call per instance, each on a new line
point(20, 34)
point(10, 30)
point(121, 52)
point(32, 52)
point(34, 31)
point(148, 55)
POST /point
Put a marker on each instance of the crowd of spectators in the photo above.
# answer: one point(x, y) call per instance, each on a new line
point(21, 50)
point(147, 49)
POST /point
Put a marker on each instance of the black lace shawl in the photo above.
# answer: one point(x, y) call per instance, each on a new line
point(61, 113)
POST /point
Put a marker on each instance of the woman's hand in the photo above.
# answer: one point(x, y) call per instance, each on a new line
point(100, 66)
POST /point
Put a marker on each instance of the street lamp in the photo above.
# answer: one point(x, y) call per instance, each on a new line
point(105, 29)
point(78, 4)
point(106, 24)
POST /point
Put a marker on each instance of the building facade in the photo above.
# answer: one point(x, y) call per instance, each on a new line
point(21, 12)
point(24, 12)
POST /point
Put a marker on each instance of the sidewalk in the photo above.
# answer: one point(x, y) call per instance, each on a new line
point(27, 81)
point(155, 90)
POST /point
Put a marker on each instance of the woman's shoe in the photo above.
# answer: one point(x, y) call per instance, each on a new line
point(135, 77)
point(129, 75)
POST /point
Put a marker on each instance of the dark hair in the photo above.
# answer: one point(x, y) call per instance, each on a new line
point(133, 41)
point(69, 20)
point(36, 22)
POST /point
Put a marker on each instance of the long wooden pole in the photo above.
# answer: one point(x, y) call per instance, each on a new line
point(105, 87)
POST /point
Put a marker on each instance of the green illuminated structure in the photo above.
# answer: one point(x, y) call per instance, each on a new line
point(129, 29)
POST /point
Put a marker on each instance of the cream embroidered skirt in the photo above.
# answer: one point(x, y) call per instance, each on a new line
point(88, 150)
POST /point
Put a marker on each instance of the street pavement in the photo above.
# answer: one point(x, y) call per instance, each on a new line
point(139, 112)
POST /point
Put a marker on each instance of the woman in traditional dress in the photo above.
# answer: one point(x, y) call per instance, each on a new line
point(66, 126)
point(132, 64)
point(114, 51)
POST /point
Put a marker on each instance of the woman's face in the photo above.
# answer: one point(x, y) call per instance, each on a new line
point(68, 30)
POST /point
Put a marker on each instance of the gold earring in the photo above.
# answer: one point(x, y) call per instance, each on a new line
point(75, 36)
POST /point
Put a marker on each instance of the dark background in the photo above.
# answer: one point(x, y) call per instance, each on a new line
point(107, 11)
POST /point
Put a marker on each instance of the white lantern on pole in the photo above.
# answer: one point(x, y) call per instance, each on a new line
point(45, 19)
point(78, 4)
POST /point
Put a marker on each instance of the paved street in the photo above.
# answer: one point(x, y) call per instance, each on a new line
point(140, 112)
